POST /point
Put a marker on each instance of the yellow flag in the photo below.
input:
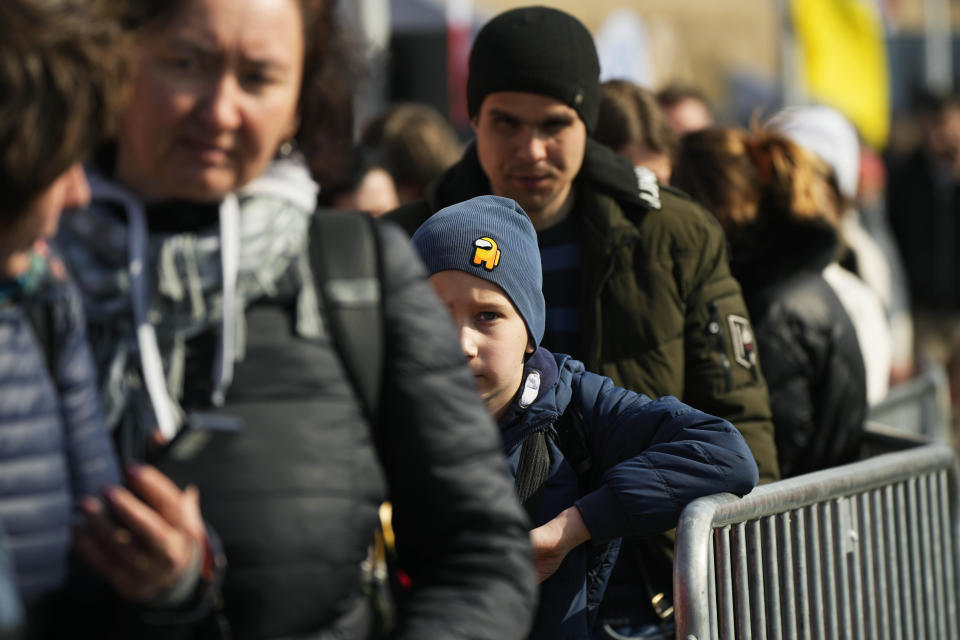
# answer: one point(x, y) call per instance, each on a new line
point(845, 61)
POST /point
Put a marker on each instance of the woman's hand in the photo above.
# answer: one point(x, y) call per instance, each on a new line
point(147, 546)
point(555, 539)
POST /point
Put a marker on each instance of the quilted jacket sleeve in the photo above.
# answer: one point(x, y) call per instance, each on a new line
point(461, 535)
point(655, 456)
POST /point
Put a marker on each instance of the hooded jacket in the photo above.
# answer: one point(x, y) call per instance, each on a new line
point(229, 319)
point(649, 459)
point(809, 348)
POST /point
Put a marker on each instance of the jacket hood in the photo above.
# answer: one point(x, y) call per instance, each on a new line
point(766, 253)
point(543, 395)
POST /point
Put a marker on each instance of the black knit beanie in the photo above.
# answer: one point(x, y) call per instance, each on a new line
point(536, 50)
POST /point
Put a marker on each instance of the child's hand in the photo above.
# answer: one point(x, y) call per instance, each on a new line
point(144, 546)
point(555, 539)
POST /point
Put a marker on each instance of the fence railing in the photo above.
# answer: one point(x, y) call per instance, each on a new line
point(920, 407)
point(866, 550)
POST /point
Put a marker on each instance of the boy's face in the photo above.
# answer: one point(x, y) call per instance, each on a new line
point(493, 335)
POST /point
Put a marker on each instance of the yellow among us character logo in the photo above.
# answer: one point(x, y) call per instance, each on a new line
point(486, 253)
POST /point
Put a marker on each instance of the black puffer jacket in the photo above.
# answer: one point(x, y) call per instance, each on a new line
point(806, 342)
point(294, 495)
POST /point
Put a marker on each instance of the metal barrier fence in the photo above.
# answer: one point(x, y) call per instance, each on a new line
point(920, 406)
point(867, 550)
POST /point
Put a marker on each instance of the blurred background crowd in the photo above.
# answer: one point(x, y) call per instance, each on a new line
point(753, 208)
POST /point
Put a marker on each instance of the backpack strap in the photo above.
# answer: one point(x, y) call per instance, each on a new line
point(533, 470)
point(347, 271)
point(345, 259)
point(534, 465)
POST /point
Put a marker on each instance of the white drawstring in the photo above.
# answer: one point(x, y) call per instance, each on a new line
point(150, 361)
point(230, 265)
point(282, 181)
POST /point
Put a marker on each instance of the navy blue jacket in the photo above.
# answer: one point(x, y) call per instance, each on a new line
point(651, 458)
point(54, 447)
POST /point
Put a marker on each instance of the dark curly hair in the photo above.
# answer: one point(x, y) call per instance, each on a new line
point(331, 69)
point(62, 69)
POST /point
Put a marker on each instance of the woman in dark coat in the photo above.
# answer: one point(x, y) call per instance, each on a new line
point(772, 201)
point(194, 266)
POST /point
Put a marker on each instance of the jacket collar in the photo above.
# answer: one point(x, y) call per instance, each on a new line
point(462, 181)
point(611, 174)
point(767, 253)
point(606, 225)
point(535, 403)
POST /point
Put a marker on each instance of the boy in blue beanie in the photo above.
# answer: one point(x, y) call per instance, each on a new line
point(592, 462)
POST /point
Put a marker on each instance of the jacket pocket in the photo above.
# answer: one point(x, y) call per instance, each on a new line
point(727, 347)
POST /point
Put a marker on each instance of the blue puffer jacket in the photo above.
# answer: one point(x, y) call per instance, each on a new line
point(54, 448)
point(651, 458)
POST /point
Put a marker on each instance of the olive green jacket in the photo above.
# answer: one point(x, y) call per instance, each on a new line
point(661, 314)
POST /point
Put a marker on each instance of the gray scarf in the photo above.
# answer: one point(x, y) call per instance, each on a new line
point(152, 292)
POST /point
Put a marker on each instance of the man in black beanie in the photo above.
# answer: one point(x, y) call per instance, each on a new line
point(635, 274)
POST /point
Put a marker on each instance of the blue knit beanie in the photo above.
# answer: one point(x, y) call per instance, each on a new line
point(491, 238)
